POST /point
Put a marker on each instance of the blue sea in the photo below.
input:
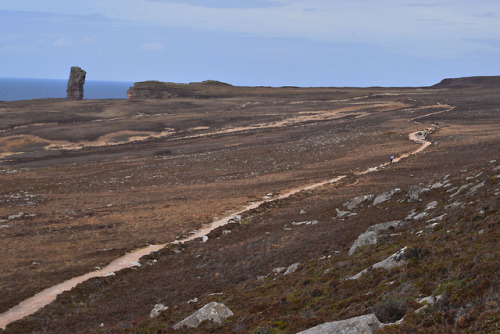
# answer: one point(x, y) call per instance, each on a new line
point(12, 89)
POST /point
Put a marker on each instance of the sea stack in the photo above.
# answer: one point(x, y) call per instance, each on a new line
point(75, 83)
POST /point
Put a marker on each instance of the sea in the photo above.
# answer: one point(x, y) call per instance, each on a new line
point(12, 89)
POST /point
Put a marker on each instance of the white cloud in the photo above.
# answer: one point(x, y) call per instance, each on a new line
point(62, 42)
point(152, 47)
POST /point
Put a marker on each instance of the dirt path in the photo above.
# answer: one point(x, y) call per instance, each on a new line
point(45, 297)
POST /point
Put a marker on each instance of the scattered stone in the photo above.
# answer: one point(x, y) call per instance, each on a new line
point(237, 218)
point(465, 186)
point(291, 269)
point(395, 260)
point(311, 222)
point(437, 185)
point(420, 216)
point(365, 324)
point(454, 205)
point(356, 201)
point(481, 231)
point(110, 274)
point(213, 311)
point(75, 83)
point(438, 218)
point(431, 205)
point(4, 226)
point(302, 212)
point(342, 213)
point(278, 270)
point(135, 264)
point(385, 196)
point(204, 238)
point(157, 310)
point(475, 188)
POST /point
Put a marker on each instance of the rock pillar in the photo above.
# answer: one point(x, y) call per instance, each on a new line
point(75, 83)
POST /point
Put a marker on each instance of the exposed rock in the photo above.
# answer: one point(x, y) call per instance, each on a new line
point(370, 237)
point(388, 225)
point(291, 269)
point(420, 216)
point(414, 193)
point(213, 311)
point(356, 201)
point(310, 222)
point(385, 196)
point(475, 188)
point(395, 260)
point(437, 185)
point(157, 310)
point(75, 83)
point(367, 238)
point(342, 213)
point(431, 205)
point(365, 324)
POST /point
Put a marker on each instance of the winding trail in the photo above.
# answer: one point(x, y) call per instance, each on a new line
point(45, 297)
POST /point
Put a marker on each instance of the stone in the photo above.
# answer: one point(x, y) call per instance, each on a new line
point(395, 260)
point(365, 324)
point(356, 201)
point(291, 269)
point(414, 193)
point(475, 188)
point(204, 238)
point(370, 237)
point(367, 238)
point(385, 196)
point(157, 310)
point(342, 213)
point(75, 83)
point(420, 216)
point(431, 205)
point(213, 311)
point(385, 226)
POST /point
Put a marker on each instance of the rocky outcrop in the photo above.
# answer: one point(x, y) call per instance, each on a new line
point(168, 90)
point(356, 201)
point(365, 324)
point(214, 311)
point(370, 237)
point(395, 260)
point(75, 83)
point(385, 196)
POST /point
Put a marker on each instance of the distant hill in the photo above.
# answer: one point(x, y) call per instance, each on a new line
point(470, 82)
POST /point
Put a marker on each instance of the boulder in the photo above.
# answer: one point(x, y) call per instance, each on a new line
point(213, 311)
point(414, 193)
point(370, 237)
point(365, 324)
point(395, 260)
point(385, 196)
point(157, 310)
point(356, 201)
point(367, 238)
point(75, 83)
point(292, 268)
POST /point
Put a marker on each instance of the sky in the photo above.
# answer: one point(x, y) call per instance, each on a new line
point(335, 43)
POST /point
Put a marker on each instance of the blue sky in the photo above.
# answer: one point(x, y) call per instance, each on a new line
point(252, 42)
